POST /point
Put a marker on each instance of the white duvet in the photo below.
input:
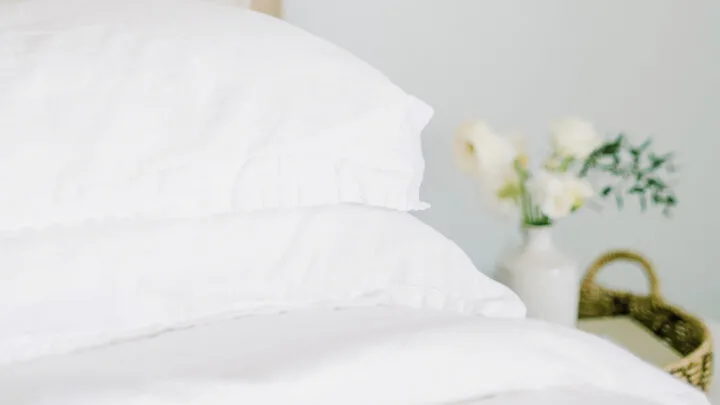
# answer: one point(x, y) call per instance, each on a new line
point(356, 356)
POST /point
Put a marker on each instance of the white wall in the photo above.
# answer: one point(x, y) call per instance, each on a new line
point(649, 67)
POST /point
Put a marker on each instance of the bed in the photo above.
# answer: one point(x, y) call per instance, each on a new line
point(352, 356)
point(205, 205)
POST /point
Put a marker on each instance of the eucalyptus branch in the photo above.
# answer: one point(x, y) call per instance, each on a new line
point(638, 170)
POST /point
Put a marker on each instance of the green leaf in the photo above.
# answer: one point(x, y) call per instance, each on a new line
point(656, 183)
point(657, 161)
point(645, 144)
point(590, 162)
point(510, 191)
point(635, 158)
point(610, 148)
point(637, 165)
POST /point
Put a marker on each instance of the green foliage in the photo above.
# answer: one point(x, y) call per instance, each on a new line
point(638, 171)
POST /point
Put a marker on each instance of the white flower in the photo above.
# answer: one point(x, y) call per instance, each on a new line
point(553, 163)
point(575, 138)
point(482, 152)
point(464, 148)
point(559, 194)
point(581, 189)
point(548, 191)
point(503, 194)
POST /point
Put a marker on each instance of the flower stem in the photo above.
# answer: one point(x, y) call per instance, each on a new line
point(525, 200)
point(532, 215)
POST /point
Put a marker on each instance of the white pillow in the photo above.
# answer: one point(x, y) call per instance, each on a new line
point(178, 108)
point(68, 288)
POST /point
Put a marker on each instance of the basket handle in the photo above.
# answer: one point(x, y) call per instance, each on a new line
point(625, 255)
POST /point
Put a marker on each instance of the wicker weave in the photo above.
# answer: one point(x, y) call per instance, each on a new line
point(685, 333)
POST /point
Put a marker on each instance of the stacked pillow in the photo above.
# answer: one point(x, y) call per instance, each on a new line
point(179, 108)
point(166, 162)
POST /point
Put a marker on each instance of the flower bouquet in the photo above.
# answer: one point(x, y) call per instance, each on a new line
point(541, 275)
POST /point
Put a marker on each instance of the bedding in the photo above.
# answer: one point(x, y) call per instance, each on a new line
point(71, 287)
point(202, 205)
point(378, 355)
point(181, 108)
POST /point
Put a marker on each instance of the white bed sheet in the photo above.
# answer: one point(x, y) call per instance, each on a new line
point(357, 356)
point(560, 396)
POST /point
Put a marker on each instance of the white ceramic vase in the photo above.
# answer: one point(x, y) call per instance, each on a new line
point(544, 278)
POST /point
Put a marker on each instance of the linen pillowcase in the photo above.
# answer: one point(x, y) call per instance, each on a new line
point(67, 288)
point(178, 108)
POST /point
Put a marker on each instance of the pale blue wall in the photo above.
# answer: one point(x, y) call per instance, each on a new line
point(650, 67)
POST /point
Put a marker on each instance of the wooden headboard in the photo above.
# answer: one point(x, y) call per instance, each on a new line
point(272, 7)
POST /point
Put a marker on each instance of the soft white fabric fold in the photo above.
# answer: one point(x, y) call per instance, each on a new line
point(379, 356)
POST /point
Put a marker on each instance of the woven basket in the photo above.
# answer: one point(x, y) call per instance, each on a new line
point(683, 332)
